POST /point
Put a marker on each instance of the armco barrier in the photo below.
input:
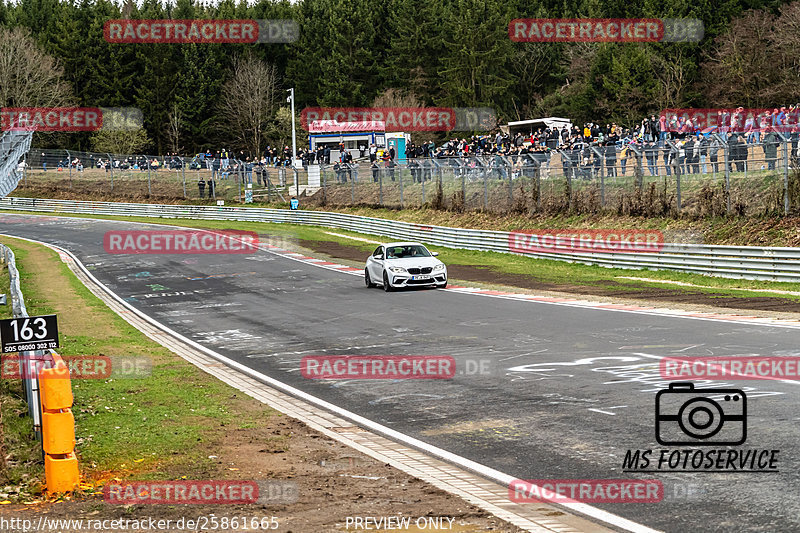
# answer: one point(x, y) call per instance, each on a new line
point(49, 397)
point(30, 387)
point(746, 262)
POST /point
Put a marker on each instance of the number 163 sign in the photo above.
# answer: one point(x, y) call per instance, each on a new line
point(29, 333)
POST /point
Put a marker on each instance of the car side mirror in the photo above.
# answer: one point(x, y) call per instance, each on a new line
point(379, 257)
point(434, 254)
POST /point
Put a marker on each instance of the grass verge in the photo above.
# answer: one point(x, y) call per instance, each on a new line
point(732, 230)
point(21, 467)
point(151, 427)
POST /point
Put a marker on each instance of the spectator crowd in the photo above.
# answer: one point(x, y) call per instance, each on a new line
point(671, 143)
point(664, 144)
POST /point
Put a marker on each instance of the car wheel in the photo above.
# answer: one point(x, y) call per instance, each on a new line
point(367, 279)
point(386, 286)
point(443, 286)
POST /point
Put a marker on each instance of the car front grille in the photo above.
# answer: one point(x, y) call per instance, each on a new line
point(426, 270)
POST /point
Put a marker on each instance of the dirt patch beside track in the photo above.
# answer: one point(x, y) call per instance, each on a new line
point(333, 482)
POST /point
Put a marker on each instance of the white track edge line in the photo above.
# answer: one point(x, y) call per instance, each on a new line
point(490, 473)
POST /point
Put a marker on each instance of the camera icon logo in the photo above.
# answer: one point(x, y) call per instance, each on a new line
point(700, 417)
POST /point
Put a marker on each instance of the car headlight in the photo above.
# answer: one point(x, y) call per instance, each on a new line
point(397, 270)
point(439, 267)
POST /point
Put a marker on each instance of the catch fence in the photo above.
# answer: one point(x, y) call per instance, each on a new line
point(720, 175)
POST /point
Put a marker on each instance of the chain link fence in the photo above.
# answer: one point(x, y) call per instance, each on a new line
point(705, 176)
point(171, 177)
point(710, 176)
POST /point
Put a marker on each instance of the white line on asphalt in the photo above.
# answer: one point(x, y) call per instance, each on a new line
point(522, 355)
point(354, 238)
point(490, 473)
point(689, 347)
point(606, 412)
point(660, 357)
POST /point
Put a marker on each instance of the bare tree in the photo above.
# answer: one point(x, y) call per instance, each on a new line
point(174, 127)
point(248, 102)
point(118, 141)
point(576, 62)
point(756, 63)
point(742, 69)
point(29, 77)
point(396, 98)
point(787, 41)
point(673, 76)
point(578, 59)
point(531, 62)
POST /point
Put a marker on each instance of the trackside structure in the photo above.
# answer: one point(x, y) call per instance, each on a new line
point(13, 147)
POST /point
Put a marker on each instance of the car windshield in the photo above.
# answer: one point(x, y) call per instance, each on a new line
point(400, 252)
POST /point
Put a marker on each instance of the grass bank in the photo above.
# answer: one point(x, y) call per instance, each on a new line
point(152, 426)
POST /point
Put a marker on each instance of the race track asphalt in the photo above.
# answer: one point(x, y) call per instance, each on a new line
point(565, 391)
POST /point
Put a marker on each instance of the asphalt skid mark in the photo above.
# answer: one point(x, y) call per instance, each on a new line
point(558, 369)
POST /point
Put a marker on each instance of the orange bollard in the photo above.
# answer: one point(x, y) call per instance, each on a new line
point(61, 472)
point(58, 432)
point(58, 428)
point(56, 389)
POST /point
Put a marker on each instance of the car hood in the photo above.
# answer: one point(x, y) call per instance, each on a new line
point(414, 262)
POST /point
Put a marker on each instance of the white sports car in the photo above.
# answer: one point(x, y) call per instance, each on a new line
point(404, 264)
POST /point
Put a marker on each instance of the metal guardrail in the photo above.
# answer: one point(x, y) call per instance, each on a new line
point(48, 393)
point(30, 384)
point(743, 262)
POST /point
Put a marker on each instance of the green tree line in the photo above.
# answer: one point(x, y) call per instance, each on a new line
point(442, 53)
